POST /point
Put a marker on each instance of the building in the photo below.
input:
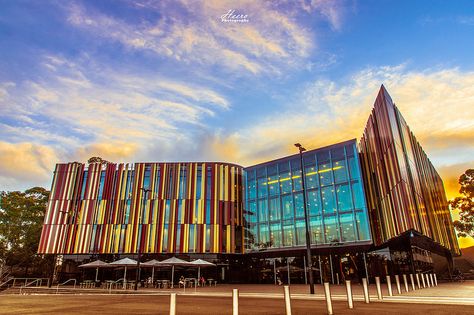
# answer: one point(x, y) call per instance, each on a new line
point(373, 210)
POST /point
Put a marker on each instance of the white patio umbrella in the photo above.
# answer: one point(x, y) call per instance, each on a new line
point(173, 261)
point(201, 263)
point(151, 263)
point(124, 262)
point(95, 264)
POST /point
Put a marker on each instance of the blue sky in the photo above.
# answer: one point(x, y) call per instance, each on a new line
point(168, 80)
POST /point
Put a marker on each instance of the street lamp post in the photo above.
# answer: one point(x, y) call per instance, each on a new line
point(137, 277)
point(306, 220)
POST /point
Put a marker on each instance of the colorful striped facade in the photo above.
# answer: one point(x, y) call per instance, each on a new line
point(403, 189)
point(104, 209)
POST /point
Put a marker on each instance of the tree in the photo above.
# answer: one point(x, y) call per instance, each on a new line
point(21, 220)
point(465, 205)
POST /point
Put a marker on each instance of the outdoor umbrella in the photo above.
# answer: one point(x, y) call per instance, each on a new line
point(173, 261)
point(95, 264)
point(151, 263)
point(201, 263)
point(124, 262)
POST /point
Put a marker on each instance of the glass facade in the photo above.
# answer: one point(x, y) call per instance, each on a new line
point(334, 196)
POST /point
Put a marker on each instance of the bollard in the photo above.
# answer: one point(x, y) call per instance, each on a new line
point(397, 280)
point(379, 290)
point(389, 286)
point(435, 279)
point(412, 280)
point(327, 293)
point(432, 281)
point(235, 301)
point(405, 282)
point(173, 304)
point(423, 280)
point(337, 278)
point(427, 280)
point(349, 294)
point(287, 300)
point(418, 281)
point(366, 290)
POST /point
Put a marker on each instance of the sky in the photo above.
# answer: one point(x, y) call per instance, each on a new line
point(147, 80)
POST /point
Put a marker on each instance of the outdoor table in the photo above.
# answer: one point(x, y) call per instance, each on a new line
point(211, 281)
point(191, 281)
point(166, 283)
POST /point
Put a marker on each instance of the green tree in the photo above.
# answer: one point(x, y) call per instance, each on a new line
point(21, 219)
point(465, 205)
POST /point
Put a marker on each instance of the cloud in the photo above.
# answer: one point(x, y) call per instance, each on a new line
point(191, 32)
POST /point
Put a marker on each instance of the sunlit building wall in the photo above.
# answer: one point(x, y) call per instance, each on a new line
point(403, 189)
point(144, 207)
point(274, 209)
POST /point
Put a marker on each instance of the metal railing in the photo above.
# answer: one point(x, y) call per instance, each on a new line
point(38, 283)
point(113, 283)
point(4, 283)
point(67, 281)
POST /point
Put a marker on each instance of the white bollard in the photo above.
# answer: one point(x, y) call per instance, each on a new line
point(349, 294)
point(173, 304)
point(366, 290)
point(379, 289)
point(389, 286)
point(435, 279)
point(327, 293)
point(432, 281)
point(427, 280)
point(235, 301)
point(405, 282)
point(397, 280)
point(337, 278)
point(412, 280)
point(287, 300)
point(423, 280)
point(418, 280)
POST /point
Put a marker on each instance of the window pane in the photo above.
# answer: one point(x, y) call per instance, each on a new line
point(300, 232)
point(287, 204)
point(311, 177)
point(323, 156)
point(329, 202)
point(252, 212)
point(332, 229)
point(344, 198)
point(285, 183)
point(262, 210)
point(288, 233)
point(353, 167)
point(314, 202)
point(362, 226)
point(309, 159)
point(275, 235)
point(337, 153)
point(275, 209)
point(264, 237)
point(358, 196)
point(347, 227)
point(340, 171)
point(325, 174)
point(261, 172)
point(251, 189)
point(299, 205)
point(262, 187)
point(316, 230)
point(273, 185)
point(271, 169)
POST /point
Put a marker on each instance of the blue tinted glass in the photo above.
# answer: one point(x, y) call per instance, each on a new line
point(358, 196)
point(84, 183)
point(252, 235)
point(251, 189)
point(323, 156)
point(287, 205)
point(275, 235)
point(252, 212)
point(316, 230)
point(344, 197)
point(340, 170)
point(285, 183)
point(328, 200)
point(311, 177)
point(262, 210)
point(347, 227)
point(314, 202)
point(102, 181)
point(275, 209)
point(297, 184)
point(353, 167)
point(198, 184)
point(362, 226)
point(273, 185)
point(325, 174)
point(262, 187)
point(208, 212)
point(271, 169)
point(299, 205)
point(261, 172)
point(300, 232)
point(337, 153)
point(309, 159)
point(288, 233)
point(283, 167)
point(350, 148)
point(332, 229)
